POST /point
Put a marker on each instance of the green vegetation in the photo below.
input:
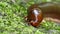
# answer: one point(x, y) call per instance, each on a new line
point(12, 21)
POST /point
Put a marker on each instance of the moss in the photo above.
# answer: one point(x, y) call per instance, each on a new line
point(12, 19)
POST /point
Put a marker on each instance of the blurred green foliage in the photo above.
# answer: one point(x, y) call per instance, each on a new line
point(12, 21)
